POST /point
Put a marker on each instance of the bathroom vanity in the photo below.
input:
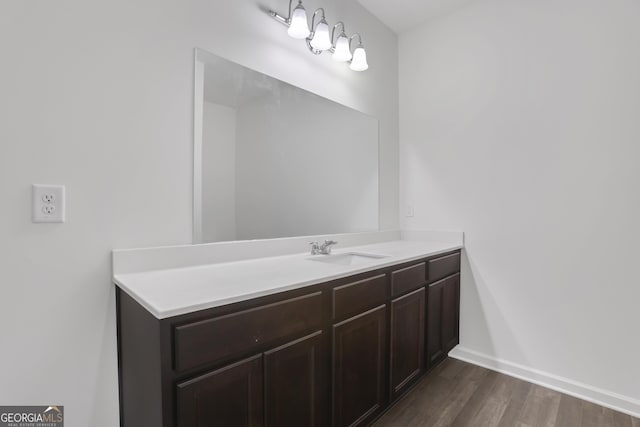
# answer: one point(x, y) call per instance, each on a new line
point(336, 349)
point(251, 330)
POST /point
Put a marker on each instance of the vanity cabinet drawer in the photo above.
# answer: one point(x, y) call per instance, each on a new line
point(357, 297)
point(214, 339)
point(408, 279)
point(439, 268)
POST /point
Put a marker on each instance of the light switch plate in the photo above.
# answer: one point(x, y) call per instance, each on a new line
point(410, 210)
point(48, 203)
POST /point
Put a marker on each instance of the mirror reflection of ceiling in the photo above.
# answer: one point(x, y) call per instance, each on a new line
point(404, 15)
point(236, 86)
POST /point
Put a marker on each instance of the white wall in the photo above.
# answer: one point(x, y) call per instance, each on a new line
point(99, 96)
point(218, 173)
point(293, 180)
point(519, 125)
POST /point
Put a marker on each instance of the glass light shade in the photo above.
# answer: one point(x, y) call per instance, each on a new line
point(298, 27)
point(359, 61)
point(342, 52)
point(321, 39)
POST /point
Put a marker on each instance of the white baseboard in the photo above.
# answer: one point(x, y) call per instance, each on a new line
point(582, 391)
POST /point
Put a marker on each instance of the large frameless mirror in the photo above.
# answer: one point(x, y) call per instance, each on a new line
point(273, 160)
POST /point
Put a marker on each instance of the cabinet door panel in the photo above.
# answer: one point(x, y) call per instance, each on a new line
point(294, 383)
point(407, 340)
point(230, 397)
point(450, 313)
point(359, 368)
point(443, 311)
point(435, 349)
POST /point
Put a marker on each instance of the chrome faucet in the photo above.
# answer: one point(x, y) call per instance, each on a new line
point(315, 247)
point(323, 249)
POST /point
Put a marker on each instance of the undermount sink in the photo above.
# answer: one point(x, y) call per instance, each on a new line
point(348, 258)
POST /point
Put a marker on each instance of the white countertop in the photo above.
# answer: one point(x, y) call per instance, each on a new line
point(174, 291)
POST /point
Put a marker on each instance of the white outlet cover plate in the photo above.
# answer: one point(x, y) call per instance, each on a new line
point(48, 203)
point(410, 210)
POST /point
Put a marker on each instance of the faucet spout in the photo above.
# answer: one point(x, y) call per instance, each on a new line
point(325, 248)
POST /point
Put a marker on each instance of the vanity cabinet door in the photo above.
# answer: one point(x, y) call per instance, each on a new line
point(231, 396)
point(407, 340)
point(359, 345)
point(451, 313)
point(295, 384)
point(443, 311)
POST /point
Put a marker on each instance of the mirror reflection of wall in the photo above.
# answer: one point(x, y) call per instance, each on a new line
point(278, 161)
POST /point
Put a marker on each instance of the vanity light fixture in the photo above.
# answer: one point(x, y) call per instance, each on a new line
point(318, 38)
point(359, 61)
point(297, 21)
point(342, 50)
point(298, 28)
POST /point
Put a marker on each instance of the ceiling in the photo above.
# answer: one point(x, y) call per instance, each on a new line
point(403, 15)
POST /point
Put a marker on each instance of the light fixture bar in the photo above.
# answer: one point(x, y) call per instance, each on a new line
point(320, 39)
point(281, 19)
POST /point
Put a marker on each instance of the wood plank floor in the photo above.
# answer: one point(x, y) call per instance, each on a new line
point(459, 394)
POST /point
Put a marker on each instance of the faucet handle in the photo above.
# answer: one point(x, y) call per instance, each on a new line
point(325, 248)
point(315, 247)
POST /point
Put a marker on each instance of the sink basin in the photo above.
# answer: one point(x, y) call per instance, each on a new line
point(348, 258)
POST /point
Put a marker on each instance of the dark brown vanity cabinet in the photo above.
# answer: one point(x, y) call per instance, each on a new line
point(258, 363)
point(443, 307)
point(233, 395)
point(407, 340)
point(295, 392)
point(359, 351)
point(406, 327)
point(359, 358)
point(333, 354)
point(230, 396)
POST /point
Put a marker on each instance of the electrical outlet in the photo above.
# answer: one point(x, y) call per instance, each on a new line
point(48, 203)
point(48, 198)
point(48, 210)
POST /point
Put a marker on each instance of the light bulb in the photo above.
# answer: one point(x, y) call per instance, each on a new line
point(321, 39)
point(298, 27)
point(359, 61)
point(342, 53)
